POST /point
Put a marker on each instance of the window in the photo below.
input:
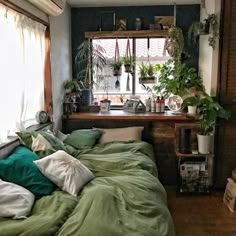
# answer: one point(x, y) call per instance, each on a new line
point(146, 50)
point(22, 62)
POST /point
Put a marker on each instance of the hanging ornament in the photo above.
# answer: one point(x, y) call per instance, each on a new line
point(117, 83)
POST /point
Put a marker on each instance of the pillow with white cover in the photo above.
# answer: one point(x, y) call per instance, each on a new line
point(15, 201)
point(121, 134)
point(65, 171)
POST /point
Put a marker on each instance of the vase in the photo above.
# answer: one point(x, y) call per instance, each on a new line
point(86, 97)
point(192, 110)
point(205, 143)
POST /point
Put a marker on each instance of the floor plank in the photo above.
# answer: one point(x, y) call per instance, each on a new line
point(201, 215)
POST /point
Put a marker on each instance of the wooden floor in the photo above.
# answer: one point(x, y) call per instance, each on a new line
point(201, 215)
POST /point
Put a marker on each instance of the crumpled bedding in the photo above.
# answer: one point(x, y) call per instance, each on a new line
point(124, 199)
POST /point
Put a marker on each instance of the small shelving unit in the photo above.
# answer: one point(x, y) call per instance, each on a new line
point(195, 170)
point(126, 34)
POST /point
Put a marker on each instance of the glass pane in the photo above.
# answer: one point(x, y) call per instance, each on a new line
point(118, 88)
point(105, 83)
point(153, 53)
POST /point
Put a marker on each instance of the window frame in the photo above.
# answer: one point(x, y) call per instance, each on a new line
point(133, 52)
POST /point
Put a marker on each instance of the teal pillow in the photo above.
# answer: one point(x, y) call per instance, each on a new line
point(83, 138)
point(43, 143)
point(19, 168)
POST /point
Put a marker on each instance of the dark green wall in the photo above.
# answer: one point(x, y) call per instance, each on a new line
point(88, 19)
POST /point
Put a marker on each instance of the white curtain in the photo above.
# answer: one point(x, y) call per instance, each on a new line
point(22, 57)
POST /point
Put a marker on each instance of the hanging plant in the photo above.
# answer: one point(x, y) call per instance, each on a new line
point(148, 72)
point(128, 59)
point(117, 66)
point(128, 62)
point(175, 43)
point(117, 63)
point(207, 26)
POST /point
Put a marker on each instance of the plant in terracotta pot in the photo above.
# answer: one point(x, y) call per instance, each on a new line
point(128, 62)
point(208, 110)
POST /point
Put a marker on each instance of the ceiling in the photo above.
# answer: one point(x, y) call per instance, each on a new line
point(107, 3)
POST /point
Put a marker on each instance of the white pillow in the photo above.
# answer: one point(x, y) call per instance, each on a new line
point(65, 171)
point(121, 134)
point(15, 201)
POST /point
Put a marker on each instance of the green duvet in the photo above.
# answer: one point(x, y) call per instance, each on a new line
point(125, 199)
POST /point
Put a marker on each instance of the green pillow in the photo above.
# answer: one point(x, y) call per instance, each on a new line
point(43, 143)
point(19, 168)
point(83, 138)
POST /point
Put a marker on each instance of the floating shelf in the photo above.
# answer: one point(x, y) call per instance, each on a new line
point(127, 34)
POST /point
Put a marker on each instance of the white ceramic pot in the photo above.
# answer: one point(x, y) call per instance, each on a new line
point(105, 106)
point(192, 110)
point(205, 143)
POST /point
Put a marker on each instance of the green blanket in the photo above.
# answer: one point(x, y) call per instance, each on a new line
point(125, 199)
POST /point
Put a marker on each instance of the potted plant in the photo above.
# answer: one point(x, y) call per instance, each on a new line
point(71, 86)
point(191, 102)
point(105, 103)
point(208, 110)
point(117, 66)
point(88, 61)
point(207, 26)
point(128, 62)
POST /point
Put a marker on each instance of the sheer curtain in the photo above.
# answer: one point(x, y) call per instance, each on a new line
point(22, 57)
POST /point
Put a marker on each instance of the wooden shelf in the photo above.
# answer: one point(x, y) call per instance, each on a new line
point(178, 154)
point(127, 34)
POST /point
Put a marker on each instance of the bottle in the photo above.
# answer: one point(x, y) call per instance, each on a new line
point(148, 104)
point(158, 105)
point(138, 23)
point(162, 105)
point(153, 105)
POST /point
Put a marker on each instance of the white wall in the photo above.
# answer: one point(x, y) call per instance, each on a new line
point(209, 58)
point(60, 31)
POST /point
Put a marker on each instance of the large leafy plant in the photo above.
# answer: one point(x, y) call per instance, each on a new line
point(176, 78)
point(88, 60)
point(209, 110)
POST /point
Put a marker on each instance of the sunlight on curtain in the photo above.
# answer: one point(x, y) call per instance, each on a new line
point(22, 56)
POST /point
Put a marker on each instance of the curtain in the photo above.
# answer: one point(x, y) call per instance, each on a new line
point(22, 57)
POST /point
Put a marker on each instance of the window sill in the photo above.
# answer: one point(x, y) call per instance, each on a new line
point(12, 140)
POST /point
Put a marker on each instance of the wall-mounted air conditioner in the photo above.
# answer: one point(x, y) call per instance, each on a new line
point(50, 7)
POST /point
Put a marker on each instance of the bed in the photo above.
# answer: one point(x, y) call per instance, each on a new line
point(124, 198)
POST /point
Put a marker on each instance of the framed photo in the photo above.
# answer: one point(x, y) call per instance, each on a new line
point(121, 24)
point(164, 21)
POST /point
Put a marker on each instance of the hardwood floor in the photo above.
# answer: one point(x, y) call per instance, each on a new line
point(201, 215)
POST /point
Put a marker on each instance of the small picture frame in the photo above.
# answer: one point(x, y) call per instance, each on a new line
point(121, 24)
point(164, 21)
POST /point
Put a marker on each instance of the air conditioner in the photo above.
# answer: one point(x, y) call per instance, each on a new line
point(50, 7)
